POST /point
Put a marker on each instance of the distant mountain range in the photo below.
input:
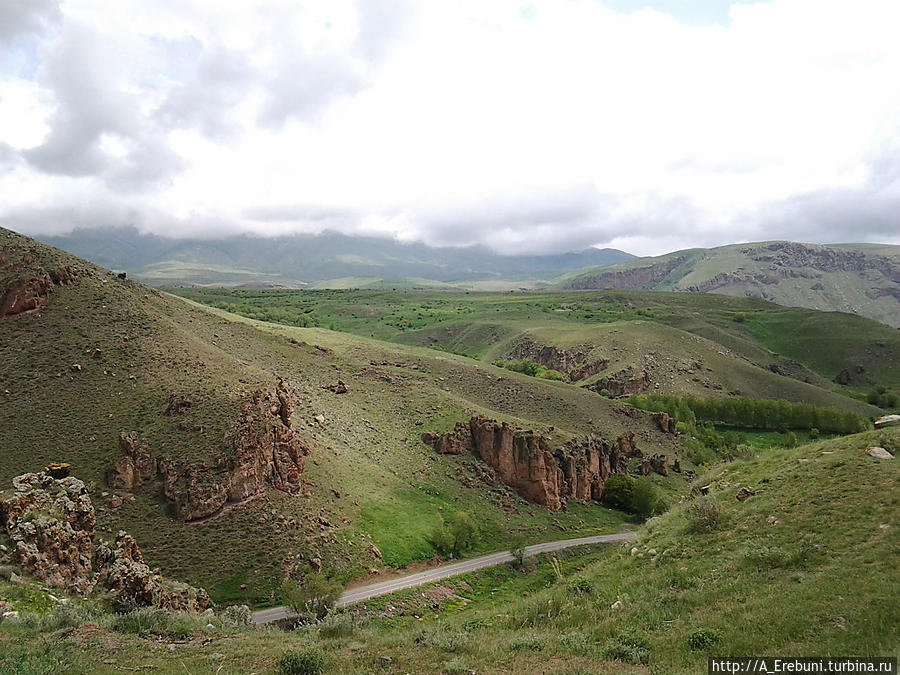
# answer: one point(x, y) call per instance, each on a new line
point(300, 260)
point(862, 279)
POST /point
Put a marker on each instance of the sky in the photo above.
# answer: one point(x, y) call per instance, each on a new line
point(545, 126)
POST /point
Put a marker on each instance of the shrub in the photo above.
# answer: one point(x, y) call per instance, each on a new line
point(156, 621)
point(236, 615)
point(312, 599)
point(518, 552)
point(813, 433)
point(527, 643)
point(618, 490)
point(790, 440)
point(739, 317)
point(646, 500)
point(626, 648)
point(455, 537)
point(703, 638)
point(704, 514)
point(309, 661)
point(441, 538)
point(337, 625)
point(604, 393)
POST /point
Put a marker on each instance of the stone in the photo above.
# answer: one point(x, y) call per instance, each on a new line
point(12, 616)
point(385, 660)
point(616, 605)
point(320, 418)
point(745, 493)
point(887, 421)
point(772, 520)
point(878, 453)
point(53, 526)
point(634, 551)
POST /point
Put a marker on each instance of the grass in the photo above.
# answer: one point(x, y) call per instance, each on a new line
point(775, 352)
point(801, 568)
point(391, 486)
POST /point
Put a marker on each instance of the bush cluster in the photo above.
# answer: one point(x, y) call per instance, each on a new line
point(455, 537)
point(635, 495)
point(532, 369)
point(752, 413)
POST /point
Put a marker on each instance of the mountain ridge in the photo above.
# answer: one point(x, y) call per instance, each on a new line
point(860, 279)
point(301, 259)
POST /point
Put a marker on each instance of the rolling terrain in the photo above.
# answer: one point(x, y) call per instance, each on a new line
point(862, 279)
point(103, 356)
point(240, 451)
point(700, 344)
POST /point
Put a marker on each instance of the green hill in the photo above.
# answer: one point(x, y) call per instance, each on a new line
point(106, 356)
point(861, 279)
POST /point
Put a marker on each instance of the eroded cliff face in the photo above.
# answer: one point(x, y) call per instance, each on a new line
point(29, 294)
point(261, 450)
point(626, 382)
point(576, 363)
point(52, 524)
point(524, 461)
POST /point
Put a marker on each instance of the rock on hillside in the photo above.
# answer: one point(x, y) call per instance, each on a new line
point(523, 460)
point(31, 292)
point(51, 522)
point(263, 450)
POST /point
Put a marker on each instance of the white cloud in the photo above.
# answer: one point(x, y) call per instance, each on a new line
point(547, 126)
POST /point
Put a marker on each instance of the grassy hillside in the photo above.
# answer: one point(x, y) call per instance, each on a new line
point(804, 566)
point(105, 354)
point(701, 344)
point(862, 279)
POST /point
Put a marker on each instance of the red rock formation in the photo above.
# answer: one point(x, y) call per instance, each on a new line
point(263, 450)
point(666, 423)
point(524, 461)
point(31, 293)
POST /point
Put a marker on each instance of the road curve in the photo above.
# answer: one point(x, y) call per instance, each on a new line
point(452, 569)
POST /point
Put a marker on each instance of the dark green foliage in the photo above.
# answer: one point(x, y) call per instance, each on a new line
point(881, 397)
point(739, 317)
point(752, 413)
point(618, 491)
point(646, 500)
point(455, 537)
point(813, 433)
point(313, 598)
point(634, 649)
point(532, 369)
point(309, 661)
point(703, 638)
point(518, 552)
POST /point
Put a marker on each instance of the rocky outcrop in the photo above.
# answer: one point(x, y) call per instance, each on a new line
point(524, 461)
point(626, 382)
point(655, 464)
point(31, 293)
point(666, 424)
point(52, 524)
point(262, 450)
point(456, 442)
point(646, 276)
point(576, 363)
point(135, 467)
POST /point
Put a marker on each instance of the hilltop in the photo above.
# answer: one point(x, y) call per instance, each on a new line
point(861, 279)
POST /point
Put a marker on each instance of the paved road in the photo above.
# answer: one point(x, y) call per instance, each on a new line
point(452, 569)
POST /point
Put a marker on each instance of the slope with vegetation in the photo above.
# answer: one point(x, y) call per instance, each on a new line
point(110, 374)
point(702, 345)
point(862, 279)
point(791, 551)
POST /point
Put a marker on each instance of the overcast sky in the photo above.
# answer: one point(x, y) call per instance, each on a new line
point(537, 126)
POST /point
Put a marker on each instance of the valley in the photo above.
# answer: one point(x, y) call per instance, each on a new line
point(253, 439)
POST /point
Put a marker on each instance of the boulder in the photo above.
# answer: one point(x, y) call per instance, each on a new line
point(887, 421)
point(52, 523)
point(666, 423)
point(879, 453)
